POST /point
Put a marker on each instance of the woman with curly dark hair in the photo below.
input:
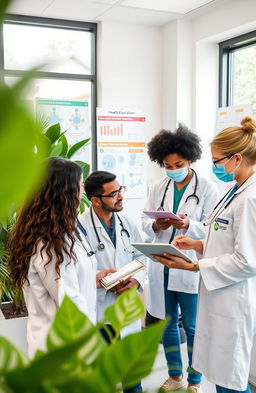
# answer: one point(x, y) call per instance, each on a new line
point(49, 255)
point(192, 198)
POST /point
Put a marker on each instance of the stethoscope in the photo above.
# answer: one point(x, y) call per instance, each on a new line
point(193, 195)
point(101, 245)
point(83, 230)
point(222, 206)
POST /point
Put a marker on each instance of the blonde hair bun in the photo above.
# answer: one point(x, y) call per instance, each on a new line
point(248, 124)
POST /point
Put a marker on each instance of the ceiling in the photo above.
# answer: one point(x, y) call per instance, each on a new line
point(147, 12)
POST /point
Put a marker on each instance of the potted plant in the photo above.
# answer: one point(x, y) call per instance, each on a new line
point(11, 300)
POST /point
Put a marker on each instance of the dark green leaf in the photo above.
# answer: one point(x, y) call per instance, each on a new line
point(127, 309)
point(53, 132)
point(11, 358)
point(64, 142)
point(3, 7)
point(76, 147)
point(82, 383)
point(86, 168)
point(59, 365)
point(130, 359)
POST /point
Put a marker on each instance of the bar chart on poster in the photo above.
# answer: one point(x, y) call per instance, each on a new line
point(121, 148)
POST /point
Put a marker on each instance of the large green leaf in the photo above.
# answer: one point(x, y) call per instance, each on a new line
point(56, 150)
point(53, 132)
point(76, 147)
point(85, 167)
point(69, 325)
point(11, 358)
point(3, 7)
point(64, 142)
point(57, 365)
point(83, 383)
point(128, 360)
point(127, 309)
point(22, 152)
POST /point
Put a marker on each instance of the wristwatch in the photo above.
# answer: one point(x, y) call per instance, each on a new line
point(196, 267)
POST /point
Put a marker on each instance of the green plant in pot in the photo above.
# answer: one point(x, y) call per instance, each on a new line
point(54, 144)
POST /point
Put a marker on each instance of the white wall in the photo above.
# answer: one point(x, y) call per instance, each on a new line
point(169, 72)
point(130, 76)
point(191, 55)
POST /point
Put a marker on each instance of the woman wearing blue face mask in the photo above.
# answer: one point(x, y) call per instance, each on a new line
point(191, 197)
point(226, 320)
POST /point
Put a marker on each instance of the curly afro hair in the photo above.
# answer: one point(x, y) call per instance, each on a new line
point(182, 141)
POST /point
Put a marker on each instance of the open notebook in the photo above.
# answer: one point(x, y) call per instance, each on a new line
point(124, 272)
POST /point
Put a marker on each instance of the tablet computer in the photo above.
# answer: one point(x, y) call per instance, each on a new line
point(161, 214)
point(158, 249)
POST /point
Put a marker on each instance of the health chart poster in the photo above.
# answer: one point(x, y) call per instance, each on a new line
point(72, 116)
point(121, 148)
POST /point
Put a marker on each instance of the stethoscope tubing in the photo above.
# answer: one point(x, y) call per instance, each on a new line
point(193, 195)
point(101, 245)
point(224, 206)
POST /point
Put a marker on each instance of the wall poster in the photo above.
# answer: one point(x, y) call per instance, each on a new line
point(121, 148)
point(73, 116)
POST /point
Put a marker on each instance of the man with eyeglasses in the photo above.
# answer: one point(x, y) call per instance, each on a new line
point(110, 234)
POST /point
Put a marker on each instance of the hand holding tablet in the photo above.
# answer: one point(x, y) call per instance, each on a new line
point(159, 249)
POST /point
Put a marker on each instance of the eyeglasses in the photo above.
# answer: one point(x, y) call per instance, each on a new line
point(220, 159)
point(113, 194)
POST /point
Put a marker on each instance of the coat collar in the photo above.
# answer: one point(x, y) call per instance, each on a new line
point(98, 224)
point(247, 183)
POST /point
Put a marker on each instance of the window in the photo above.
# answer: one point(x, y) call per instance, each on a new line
point(64, 54)
point(237, 79)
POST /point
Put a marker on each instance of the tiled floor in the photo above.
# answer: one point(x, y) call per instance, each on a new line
point(159, 374)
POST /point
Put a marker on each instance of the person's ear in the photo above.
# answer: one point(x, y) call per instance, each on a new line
point(239, 158)
point(95, 201)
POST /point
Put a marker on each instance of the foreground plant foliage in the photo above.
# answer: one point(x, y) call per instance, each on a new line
point(77, 358)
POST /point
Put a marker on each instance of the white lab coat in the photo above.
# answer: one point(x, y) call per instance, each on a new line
point(113, 258)
point(226, 318)
point(179, 280)
point(44, 294)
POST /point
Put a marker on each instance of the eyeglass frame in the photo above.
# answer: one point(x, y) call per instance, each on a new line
point(230, 155)
point(113, 194)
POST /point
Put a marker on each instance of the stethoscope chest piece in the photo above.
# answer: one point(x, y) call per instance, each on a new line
point(100, 246)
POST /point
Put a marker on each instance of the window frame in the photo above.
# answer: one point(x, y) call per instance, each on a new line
point(226, 48)
point(59, 24)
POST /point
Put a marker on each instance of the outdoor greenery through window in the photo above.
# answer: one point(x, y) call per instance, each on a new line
point(63, 53)
point(238, 71)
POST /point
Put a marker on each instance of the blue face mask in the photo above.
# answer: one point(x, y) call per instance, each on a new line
point(177, 175)
point(221, 173)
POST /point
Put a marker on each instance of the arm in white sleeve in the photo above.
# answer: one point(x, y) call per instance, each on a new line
point(46, 272)
point(196, 229)
point(229, 269)
point(69, 286)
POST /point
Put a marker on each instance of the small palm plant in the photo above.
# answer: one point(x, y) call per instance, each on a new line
point(56, 146)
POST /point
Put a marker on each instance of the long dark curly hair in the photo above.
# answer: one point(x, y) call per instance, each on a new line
point(50, 220)
point(182, 141)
